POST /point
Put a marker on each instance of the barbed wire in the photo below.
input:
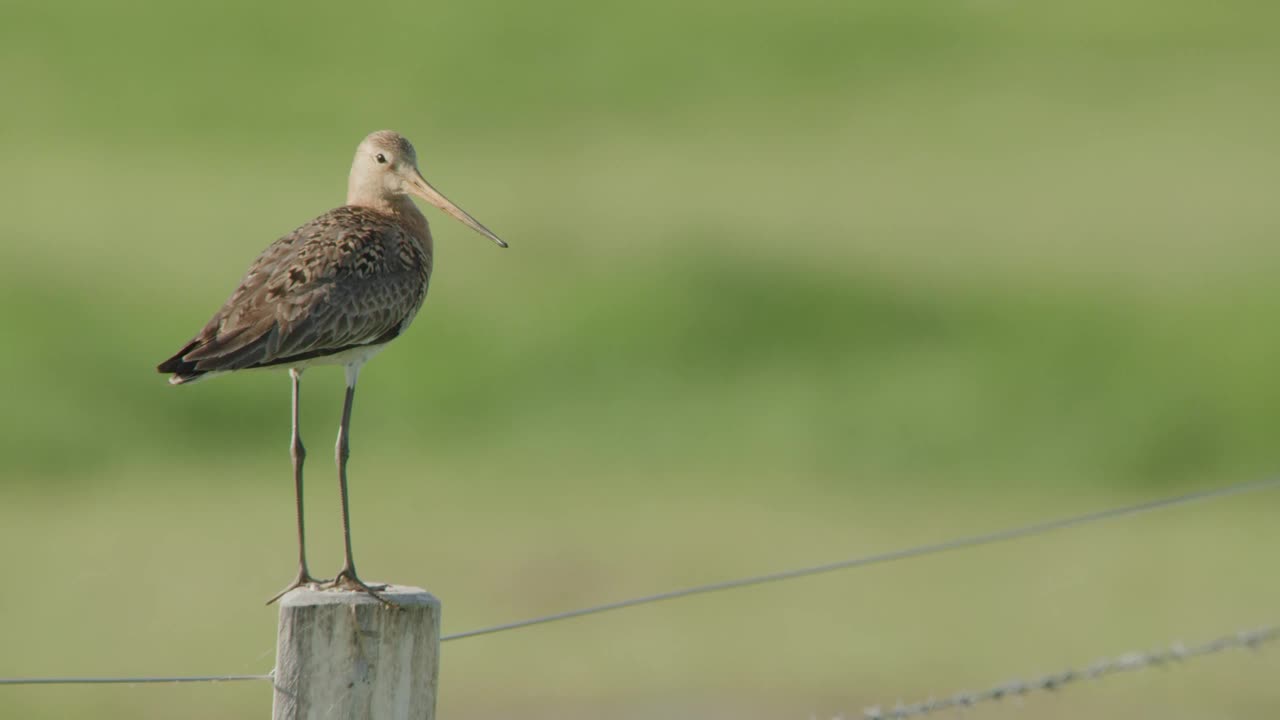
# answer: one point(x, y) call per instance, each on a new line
point(1129, 662)
point(969, 541)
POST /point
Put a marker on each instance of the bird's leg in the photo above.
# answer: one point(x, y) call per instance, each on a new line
point(347, 577)
point(298, 453)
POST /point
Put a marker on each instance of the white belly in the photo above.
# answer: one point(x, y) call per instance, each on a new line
point(354, 357)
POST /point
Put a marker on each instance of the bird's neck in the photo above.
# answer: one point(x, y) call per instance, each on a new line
point(402, 208)
point(410, 216)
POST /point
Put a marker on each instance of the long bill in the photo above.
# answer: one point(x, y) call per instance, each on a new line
point(423, 189)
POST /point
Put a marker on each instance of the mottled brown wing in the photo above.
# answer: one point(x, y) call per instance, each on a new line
point(346, 279)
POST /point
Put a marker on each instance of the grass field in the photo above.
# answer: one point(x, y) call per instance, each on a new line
point(784, 287)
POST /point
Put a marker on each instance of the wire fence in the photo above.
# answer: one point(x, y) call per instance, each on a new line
point(1129, 662)
point(968, 541)
point(1124, 663)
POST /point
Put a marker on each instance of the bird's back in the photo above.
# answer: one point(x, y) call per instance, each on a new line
point(352, 277)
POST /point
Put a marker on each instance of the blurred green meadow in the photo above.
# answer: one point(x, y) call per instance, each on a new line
point(787, 284)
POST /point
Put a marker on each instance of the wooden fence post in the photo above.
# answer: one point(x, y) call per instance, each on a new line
point(344, 655)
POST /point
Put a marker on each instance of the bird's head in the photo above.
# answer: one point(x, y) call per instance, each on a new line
point(386, 167)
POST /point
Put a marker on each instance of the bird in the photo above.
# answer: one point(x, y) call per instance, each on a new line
point(335, 291)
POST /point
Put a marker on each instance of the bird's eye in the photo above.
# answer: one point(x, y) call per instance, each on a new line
point(382, 159)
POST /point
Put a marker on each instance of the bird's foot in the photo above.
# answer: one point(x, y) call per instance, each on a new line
point(305, 580)
point(347, 580)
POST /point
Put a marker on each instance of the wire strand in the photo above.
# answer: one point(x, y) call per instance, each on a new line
point(130, 680)
point(884, 557)
point(1129, 662)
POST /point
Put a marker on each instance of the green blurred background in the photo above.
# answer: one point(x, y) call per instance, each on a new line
point(788, 283)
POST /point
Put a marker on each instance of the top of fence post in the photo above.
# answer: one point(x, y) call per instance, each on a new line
point(345, 655)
